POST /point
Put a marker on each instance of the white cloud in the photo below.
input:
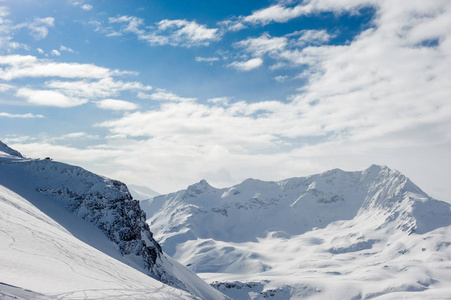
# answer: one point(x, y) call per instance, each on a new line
point(22, 66)
point(114, 104)
point(48, 98)
point(247, 65)
point(263, 44)
point(66, 153)
point(55, 53)
point(6, 87)
point(207, 59)
point(86, 7)
point(311, 37)
point(382, 98)
point(39, 27)
point(104, 87)
point(40, 51)
point(20, 116)
point(219, 100)
point(168, 32)
point(281, 78)
point(7, 31)
point(77, 135)
point(277, 13)
point(163, 95)
point(67, 49)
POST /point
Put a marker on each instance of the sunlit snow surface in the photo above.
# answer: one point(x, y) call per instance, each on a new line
point(48, 251)
point(336, 235)
point(39, 254)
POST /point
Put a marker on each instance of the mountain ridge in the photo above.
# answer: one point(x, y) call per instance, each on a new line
point(105, 203)
point(243, 239)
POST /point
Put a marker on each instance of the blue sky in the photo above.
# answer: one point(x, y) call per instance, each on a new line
point(165, 93)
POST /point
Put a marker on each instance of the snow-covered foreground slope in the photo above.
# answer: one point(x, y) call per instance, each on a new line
point(39, 254)
point(338, 235)
point(70, 232)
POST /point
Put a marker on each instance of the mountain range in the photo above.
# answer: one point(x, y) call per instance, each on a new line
point(68, 233)
point(340, 235)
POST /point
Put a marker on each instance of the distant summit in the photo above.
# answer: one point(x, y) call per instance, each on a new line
point(5, 149)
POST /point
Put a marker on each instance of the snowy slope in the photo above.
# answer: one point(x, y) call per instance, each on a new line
point(91, 210)
point(338, 234)
point(39, 254)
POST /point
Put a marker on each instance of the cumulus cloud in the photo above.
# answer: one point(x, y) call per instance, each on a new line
point(168, 32)
point(55, 53)
point(219, 100)
point(79, 83)
point(113, 104)
point(247, 65)
point(86, 7)
point(48, 98)
point(19, 116)
point(67, 49)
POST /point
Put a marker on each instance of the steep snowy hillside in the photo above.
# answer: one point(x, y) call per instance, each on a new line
point(71, 197)
point(338, 234)
point(39, 255)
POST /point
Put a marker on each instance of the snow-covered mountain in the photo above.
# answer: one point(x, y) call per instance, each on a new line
point(343, 235)
point(63, 223)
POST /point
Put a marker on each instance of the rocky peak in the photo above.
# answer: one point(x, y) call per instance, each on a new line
point(5, 149)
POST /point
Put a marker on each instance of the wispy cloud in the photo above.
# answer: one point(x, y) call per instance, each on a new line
point(167, 32)
point(66, 49)
point(247, 65)
point(104, 87)
point(39, 27)
point(263, 44)
point(207, 59)
point(22, 66)
point(20, 116)
point(163, 95)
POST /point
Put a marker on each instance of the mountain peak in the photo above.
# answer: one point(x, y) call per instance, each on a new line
point(5, 149)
